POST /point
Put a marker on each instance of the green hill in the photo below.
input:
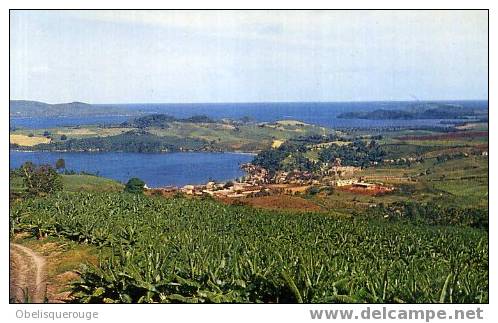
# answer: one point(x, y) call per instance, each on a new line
point(24, 108)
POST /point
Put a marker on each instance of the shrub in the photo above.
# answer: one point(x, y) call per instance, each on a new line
point(60, 164)
point(313, 190)
point(40, 179)
point(135, 186)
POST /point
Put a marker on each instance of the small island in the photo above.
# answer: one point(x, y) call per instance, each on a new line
point(425, 111)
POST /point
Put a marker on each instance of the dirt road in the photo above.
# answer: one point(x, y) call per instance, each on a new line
point(27, 275)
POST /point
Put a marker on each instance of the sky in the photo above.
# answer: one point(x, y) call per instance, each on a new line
point(247, 56)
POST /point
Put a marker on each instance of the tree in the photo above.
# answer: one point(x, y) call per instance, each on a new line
point(60, 164)
point(41, 179)
point(135, 185)
point(46, 133)
point(63, 137)
point(313, 190)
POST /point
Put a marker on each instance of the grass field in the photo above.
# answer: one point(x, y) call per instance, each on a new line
point(465, 180)
point(76, 183)
point(25, 140)
point(243, 137)
point(461, 182)
point(89, 132)
point(72, 132)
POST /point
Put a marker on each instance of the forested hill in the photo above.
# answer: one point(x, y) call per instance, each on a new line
point(162, 120)
point(23, 108)
point(426, 111)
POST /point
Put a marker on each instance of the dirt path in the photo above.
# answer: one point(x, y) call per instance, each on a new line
point(28, 275)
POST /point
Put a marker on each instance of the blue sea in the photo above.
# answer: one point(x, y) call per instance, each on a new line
point(156, 170)
point(319, 113)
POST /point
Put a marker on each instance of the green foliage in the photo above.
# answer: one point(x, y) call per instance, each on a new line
point(41, 179)
point(161, 133)
point(313, 190)
point(135, 186)
point(270, 159)
point(60, 163)
point(162, 121)
point(91, 183)
point(358, 153)
point(291, 155)
point(434, 214)
point(199, 251)
point(131, 141)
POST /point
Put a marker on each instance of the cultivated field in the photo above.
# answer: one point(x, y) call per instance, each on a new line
point(190, 250)
point(28, 141)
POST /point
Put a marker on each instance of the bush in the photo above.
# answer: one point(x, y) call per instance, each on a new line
point(135, 186)
point(60, 164)
point(41, 179)
point(313, 190)
point(63, 137)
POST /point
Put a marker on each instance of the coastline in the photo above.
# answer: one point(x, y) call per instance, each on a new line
point(249, 153)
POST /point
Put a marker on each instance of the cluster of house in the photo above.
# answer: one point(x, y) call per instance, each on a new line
point(294, 177)
point(341, 171)
point(232, 190)
point(358, 185)
point(258, 180)
point(403, 160)
point(344, 182)
point(255, 175)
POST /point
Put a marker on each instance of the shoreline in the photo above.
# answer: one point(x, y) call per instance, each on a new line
point(136, 152)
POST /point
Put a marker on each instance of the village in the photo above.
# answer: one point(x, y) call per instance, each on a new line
point(259, 182)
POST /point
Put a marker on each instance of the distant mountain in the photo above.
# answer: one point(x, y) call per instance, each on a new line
point(23, 108)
